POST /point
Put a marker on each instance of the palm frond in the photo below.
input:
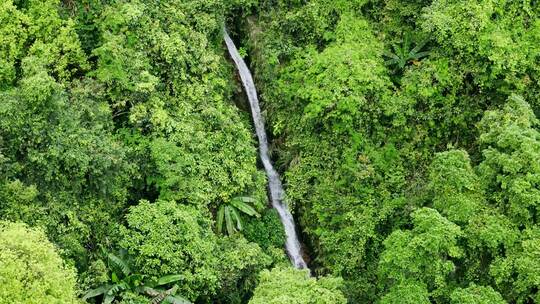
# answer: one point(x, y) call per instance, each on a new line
point(420, 55)
point(403, 54)
point(244, 207)
point(391, 61)
point(150, 291)
point(245, 199)
point(169, 279)
point(120, 264)
point(236, 216)
point(419, 46)
point(118, 287)
point(220, 216)
point(228, 220)
point(97, 291)
point(391, 55)
point(167, 296)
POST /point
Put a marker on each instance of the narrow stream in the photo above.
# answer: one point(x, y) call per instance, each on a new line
point(292, 245)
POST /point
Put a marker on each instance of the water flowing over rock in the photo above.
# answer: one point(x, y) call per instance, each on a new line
point(292, 245)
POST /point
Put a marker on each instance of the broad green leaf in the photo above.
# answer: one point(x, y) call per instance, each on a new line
point(169, 279)
point(420, 55)
point(220, 217)
point(120, 264)
point(237, 218)
point(97, 291)
point(228, 220)
point(245, 208)
point(245, 199)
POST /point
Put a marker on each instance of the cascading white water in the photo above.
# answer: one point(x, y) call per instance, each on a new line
point(292, 245)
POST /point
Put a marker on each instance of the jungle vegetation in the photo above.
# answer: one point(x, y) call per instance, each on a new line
point(406, 133)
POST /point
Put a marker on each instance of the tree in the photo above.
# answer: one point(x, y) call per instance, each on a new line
point(475, 294)
point(60, 145)
point(497, 52)
point(175, 91)
point(516, 274)
point(456, 189)
point(267, 231)
point(331, 90)
point(168, 238)
point(423, 254)
point(403, 54)
point(240, 262)
point(510, 168)
point(31, 270)
point(457, 194)
point(407, 292)
point(38, 32)
point(292, 286)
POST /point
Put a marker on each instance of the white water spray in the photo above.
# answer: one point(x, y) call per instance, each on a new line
point(292, 245)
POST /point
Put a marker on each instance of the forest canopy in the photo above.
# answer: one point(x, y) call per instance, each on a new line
point(405, 133)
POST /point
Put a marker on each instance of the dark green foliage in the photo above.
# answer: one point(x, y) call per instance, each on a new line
point(407, 292)
point(415, 180)
point(124, 281)
point(59, 145)
point(239, 266)
point(423, 254)
point(167, 80)
point(516, 274)
point(165, 238)
point(267, 231)
point(455, 186)
point(358, 143)
point(476, 295)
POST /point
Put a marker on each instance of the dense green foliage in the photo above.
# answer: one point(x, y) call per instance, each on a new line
point(291, 286)
point(166, 238)
point(405, 132)
point(363, 142)
point(31, 271)
point(123, 282)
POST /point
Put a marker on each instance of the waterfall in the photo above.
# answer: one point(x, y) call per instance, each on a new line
point(292, 245)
